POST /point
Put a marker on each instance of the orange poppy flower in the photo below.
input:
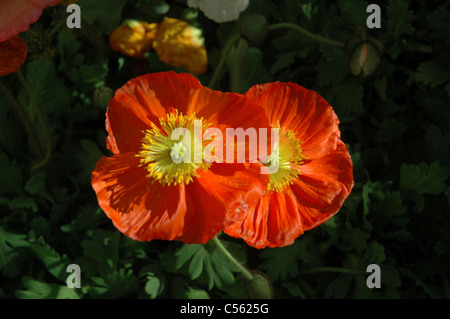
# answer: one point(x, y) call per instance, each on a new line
point(133, 38)
point(16, 16)
point(178, 43)
point(140, 188)
point(13, 53)
point(314, 174)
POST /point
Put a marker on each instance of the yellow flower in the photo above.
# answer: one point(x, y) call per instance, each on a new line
point(133, 38)
point(177, 43)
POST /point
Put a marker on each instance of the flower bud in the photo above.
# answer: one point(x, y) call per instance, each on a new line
point(254, 28)
point(260, 287)
point(364, 55)
point(102, 96)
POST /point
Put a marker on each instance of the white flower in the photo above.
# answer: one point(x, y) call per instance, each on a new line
point(220, 10)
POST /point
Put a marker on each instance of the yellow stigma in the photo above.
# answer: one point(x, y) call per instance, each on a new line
point(173, 161)
point(287, 156)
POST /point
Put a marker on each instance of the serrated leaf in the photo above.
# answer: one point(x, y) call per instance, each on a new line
point(41, 290)
point(205, 262)
point(282, 61)
point(429, 73)
point(398, 17)
point(55, 264)
point(347, 98)
point(43, 82)
point(23, 202)
point(354, 11)
point(374, 254)
point(281, 263)
point(36, 184)
point(355, 237)
point(423, 178)
point(94, 12)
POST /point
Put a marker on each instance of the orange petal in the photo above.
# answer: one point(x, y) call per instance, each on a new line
point(323, 186)
point(316, 196)
point(140, 102)
point(138, 208)
point(274, 223)
point(13, 53)
point(220, 196)
point(233, 111)
point(16, 16)
point(303, 111)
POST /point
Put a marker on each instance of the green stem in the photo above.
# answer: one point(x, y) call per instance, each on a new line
point(223, 58)
point(235, 76)
point(333, 269)
point(23, 119)
point(36, 115)
point(233, 260)
point(314, 37)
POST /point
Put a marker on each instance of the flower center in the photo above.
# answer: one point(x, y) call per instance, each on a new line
point(287, 156)
point(172, 152)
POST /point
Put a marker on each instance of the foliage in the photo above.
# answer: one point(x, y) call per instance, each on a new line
point(396, 124)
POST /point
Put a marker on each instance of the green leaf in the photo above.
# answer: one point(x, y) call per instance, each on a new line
point(94, 12)
point(398, 17)
point(440, 24)
point(205, 262)
point(55, 264)
point(153, 286)
point(36, 184)
point(438, 144)
point(281, 263)
point(339, 287)
point(10, 252)
point(389, 129)
point(354, 11)
point(41, 290)
point(43, 82)
point(331, 72)
point(23, 202)
point(429, 73)
point(282, 61)
point(346, 98)
point(355, 237)
point(10, 176)
point(374, 254)
point(423, 178)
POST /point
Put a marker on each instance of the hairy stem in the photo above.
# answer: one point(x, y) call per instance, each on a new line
point(233, 260)
point(218, 72)
point(314, 37)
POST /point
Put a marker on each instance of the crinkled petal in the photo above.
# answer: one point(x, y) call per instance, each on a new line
point(234, 114)
point(219, 196)
point(138, 208)
point(303, 111)
point(323, 186)
point(142, 101)
point(314, 197)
